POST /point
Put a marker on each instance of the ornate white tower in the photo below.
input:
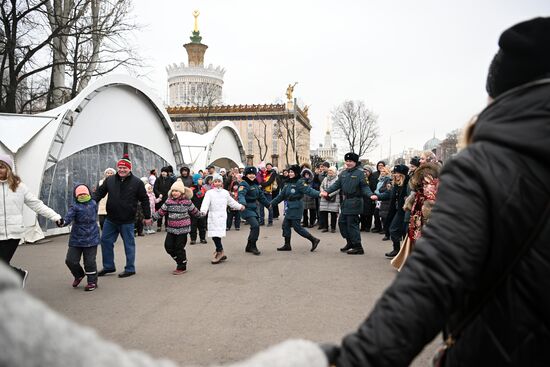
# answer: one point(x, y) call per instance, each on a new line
point(195, 84)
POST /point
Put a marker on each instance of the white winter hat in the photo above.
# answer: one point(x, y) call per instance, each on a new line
point(7, 160)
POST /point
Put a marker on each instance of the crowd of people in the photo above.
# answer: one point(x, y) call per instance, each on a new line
point(478, 272)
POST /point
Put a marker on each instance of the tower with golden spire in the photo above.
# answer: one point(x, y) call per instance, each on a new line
point(195, 84)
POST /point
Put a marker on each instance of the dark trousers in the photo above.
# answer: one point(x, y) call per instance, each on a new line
point(198, 224)
point(276, 207)
point(309, 217)
point(389, 220)
point(74, 254)
point(324, 219)
point(294, 223)
point(175, 247)
point(397, 229)
point(254, 229)
point(261, 210)
point(377, 220)
point(218, 243)
point(7, 249)
point(139, 226)
point(349, 229)
point(101, 220)
point(233, 216)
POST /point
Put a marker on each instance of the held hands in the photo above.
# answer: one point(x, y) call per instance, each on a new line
point(374, 197)
point(323, 194)
point(147, 222)
point(243, 208)
point(60, 222)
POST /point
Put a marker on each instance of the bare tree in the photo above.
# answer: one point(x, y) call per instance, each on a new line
point(448, 147)
point(356, 125)
point(96, 43)
point(206, 97)
point(24, 45)
point(291, 134)
point(38, 38)
point(262, 139)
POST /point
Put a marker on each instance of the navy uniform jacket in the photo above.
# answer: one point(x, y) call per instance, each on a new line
point(249, 192)
point(353, 186)
point(293, 192)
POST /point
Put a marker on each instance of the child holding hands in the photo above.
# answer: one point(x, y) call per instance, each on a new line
point(216, 201)
point(178, 208)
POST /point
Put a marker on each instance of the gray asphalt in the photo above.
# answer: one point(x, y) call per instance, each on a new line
point(219, 313)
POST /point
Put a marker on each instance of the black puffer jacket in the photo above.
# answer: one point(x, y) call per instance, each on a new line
point(491, 197)
point(123, 198)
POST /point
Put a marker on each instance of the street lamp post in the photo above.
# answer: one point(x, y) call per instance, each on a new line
point(389, 153)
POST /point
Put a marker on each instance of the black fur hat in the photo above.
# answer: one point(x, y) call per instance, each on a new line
point(351, 157)
point(401, 168)
point(250, 169)
point(296, 169)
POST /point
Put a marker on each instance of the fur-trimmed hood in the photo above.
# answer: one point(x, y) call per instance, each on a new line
point(425, 169)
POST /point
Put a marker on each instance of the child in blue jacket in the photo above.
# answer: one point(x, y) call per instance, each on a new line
point(84, 237)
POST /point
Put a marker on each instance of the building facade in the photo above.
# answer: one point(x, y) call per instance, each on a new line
point(270, 133)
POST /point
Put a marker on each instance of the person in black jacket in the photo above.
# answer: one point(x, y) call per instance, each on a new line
point(161, 188)
point(125, 190)
point(481, 270)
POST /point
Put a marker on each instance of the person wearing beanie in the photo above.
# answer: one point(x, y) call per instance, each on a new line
point(13, 194)
point(178, 210)
point(198, 224)
point(84, 238)
point(215, 204)
point(160, 188)
point(479, 275)
point(292, 193)
point(353, 186)
point(250, 193)
point(125, 192)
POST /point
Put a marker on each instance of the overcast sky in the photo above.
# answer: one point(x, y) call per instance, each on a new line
point(420, 65)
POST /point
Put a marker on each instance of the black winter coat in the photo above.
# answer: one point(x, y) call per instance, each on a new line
point(123, 198)
point(162, 186)
point(490, 198)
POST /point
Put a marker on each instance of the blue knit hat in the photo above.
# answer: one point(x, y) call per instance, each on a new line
point(196, 177)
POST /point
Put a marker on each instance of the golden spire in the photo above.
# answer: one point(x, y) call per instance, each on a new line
point(196, 14)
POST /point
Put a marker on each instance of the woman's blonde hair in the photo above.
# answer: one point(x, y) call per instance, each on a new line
point(466, 138)
point(13, 179)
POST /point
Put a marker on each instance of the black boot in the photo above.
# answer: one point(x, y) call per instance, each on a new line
point(286, 246)
point(314, 242)
point(394, 252)
point(346, 247)
point(356, 250)
point(251, 247)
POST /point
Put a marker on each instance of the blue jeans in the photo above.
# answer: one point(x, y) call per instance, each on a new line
point(108, 238)
point(261, 210)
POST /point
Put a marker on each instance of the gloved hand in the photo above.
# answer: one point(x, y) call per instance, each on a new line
point(60, 222)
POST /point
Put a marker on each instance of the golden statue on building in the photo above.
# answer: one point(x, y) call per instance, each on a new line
point(196, 14)
point(289, 91)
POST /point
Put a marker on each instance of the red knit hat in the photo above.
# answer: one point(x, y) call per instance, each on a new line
point(125, 161)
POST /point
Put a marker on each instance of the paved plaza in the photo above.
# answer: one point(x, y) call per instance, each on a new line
point(219, 313)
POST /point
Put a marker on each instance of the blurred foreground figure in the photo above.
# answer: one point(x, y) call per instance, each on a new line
point(481, 271)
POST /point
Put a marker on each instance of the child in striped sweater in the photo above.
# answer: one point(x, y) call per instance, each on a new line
point(178, 209)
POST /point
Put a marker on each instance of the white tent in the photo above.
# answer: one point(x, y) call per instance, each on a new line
point(222, 146)
point(113, 110)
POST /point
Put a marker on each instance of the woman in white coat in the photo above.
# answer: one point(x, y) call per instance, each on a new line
point(215, 204)
point(13, 194)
